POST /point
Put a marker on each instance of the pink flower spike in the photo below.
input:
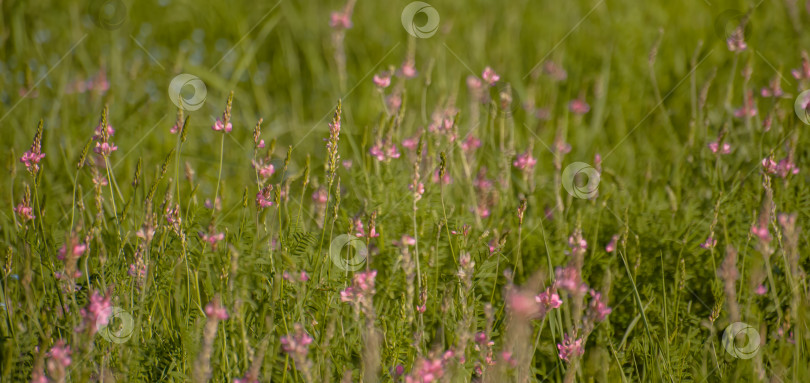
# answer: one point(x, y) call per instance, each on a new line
point(216, 311)
point(579, 106)
point(714, 146)
point(490, 76)
point(598, 309)
point(611, 246)
point(220, 126)
point(761, 290)
point(570, 347)
point(382, 80)
point(548, 299)
point(709, 243)
point(525, 161)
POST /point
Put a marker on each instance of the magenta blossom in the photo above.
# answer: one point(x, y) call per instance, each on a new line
point(714, 146)
point(709, 243)
point(598, 309)
point(611, 246)
point(570, 347)
point(548, 300)
point(525, 161)
point(382, 80)
point(490, 76)
point(96, 314)
point(220, 126)
point(216, 311)
point(579, 106)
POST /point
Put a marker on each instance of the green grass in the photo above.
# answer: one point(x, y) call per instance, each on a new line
point(661, 84)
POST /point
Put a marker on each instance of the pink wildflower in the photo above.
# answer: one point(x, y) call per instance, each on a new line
point(569, 279)
point(570, 347)
point(490, 76)
point(525, 161)
point(714, 146)
point(444, 180)
point(579, 106)
point(709, 243)
point(96, 314)
point(264, 198)
point(611, 246)
point(25, 212)
point(215, 310)
point(382, 80)
point(598, 309)
point(470, 143)
point(220, 126)
point(548, 299)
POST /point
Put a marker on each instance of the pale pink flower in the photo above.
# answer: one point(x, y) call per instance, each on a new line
point(804, 71)
point(216, 311)
point(709, 243)
point(598, 309)
point(474, 83)
point(554, 70)
point(749, 108)
point(426, 371)
point(393, 101)
point(410, 143)
point(761, 290)
point(220, 126)
point(490, 76)
point(736, 40)
point(470, 143)
point(446, 180)
point(774, 89)
point(569, 279)
point(382, 80)
point(761, 232)
point(340, 20)
point(265, 170)
point(296, 344)
point(408, 240)
point(408, 70)
point(525, 161)
point(25, 212)
point(523, 305)
point(420, 189)
point(714, 146)
point(105, 148)
point(611, 246)
point(212, 238)
point(59, 358)
point(31, 159)
point(77, 249)
point(320, 196)
point(579, 106)
point(361, 289)
point(97, 313)
point(347, 164)
point(548, 300)
point(97, 133)
point(570, 347)
point(264, 198)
